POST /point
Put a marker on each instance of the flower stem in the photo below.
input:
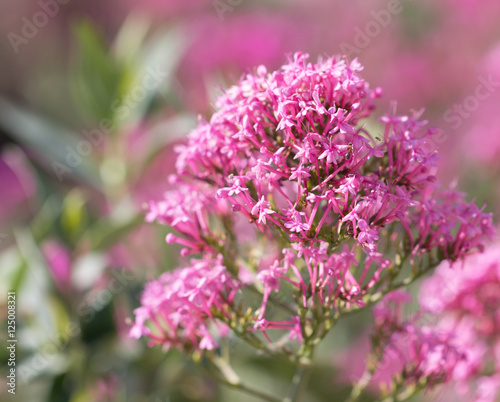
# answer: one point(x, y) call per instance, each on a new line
point(299, 384)
point(231, 379)
point(252, 391)
point(360, 386)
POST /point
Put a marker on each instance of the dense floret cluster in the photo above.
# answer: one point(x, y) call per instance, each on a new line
point(291, 186)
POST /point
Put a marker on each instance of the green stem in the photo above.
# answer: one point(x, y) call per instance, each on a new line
point(231, 379)
point(254, 341)
point(284, 306)
point(302, 374)
point(360, 386)
point(404, 395)
point(299, 384)
point(251, 391)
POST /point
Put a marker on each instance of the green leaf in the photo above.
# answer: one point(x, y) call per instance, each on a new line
point(98, 75)
point(74, 214)
point(149, 76)
point(45, 219)
point(18, 276)
point(50, 142)
point(105, 233)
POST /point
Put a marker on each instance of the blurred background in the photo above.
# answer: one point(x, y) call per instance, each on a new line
point(94, 95)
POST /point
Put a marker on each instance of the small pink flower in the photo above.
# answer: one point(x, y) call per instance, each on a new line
point(262, 208)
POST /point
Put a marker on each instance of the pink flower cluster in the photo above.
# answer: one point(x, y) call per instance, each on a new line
point(187, 210)
point(287, 150)
point(454, 338)
point(289, 162)
point(328, 280)
point(466, 301)
point(180, 305)
point(419, 354)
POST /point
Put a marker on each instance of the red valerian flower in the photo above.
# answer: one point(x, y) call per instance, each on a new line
point(287, 162)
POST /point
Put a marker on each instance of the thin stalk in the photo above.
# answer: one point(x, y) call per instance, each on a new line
point(231, 379)
point(284, 306)
point(299, 384)
point(360, 386)
point(374, 298)
point(252, 391)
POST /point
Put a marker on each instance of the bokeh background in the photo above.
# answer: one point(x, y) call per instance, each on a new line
point(94, 95)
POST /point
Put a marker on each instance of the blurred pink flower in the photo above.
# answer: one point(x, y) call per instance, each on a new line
point(403, 347)
point(17, 185)
point(466, 301)
point(482, 142)
point(352, 361)
point(59, 261)
point(234, 45)
point(168, 8)
point(106, 388)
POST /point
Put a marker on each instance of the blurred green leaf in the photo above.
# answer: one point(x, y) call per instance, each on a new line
point(148, 74)
point(100, 326)
point(98, 75)
point(19, 273)
point(124, 85)
point(48, 141)
point(418, 21)
point(106, 232)
point(82, 395)
point(157, 61)
point(45, 219)
point(61, 389)
point(60, 312)
point(176, 127)
point(35, 287)
point(130, 38)
point(74, 214)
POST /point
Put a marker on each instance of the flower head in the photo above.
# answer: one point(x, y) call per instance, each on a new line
point(287, 160)
point(178, 308)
